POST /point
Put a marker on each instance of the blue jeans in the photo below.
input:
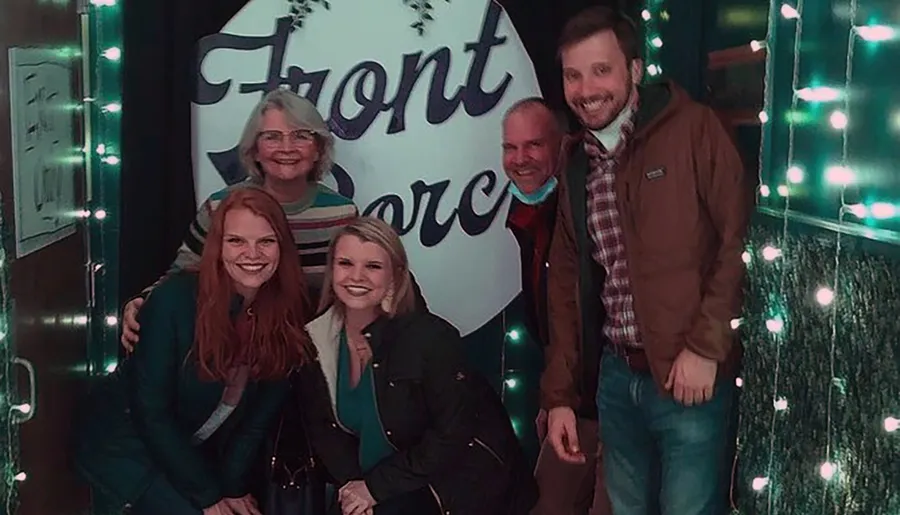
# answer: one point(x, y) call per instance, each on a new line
point(660, 456)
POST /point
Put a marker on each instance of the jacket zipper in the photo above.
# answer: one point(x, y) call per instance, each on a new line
point(342, 426)
point(437, 498)
point(334, 414)
point(489, 450)
point(378, 410)
point(389, 441)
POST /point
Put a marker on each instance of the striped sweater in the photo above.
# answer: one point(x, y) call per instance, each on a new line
point(313, 220)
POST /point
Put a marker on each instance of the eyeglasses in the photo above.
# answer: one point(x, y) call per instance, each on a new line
point(297, 138)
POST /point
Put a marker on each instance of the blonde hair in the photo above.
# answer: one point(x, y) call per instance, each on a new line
point(373, 230)
point(301, 113)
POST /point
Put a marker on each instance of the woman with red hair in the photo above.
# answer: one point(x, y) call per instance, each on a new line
point(177, 427)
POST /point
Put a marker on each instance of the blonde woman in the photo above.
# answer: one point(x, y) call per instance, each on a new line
point(393, 413)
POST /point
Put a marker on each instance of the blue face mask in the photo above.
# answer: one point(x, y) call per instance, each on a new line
point(537, 196)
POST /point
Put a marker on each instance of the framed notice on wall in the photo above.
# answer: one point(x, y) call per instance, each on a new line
point(44, 156)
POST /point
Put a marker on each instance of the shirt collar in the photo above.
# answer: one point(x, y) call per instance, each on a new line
point(610, 135)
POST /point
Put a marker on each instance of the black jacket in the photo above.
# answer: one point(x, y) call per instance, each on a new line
point(535, 299)
point(536, 316)
point(450, 430)
point(293, 454)
point(139, 422)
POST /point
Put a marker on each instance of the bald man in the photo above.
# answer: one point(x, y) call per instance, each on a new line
point(533, 141)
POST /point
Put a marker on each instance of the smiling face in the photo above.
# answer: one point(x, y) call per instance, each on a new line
point(285, 153)
point(531, 143)
point(361, 273)
point(250, 251)
point(598, 79)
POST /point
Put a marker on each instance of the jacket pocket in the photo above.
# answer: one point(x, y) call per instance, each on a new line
point(404, 399)
point(665, 212)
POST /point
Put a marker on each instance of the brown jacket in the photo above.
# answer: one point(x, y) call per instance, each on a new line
point(684, 202)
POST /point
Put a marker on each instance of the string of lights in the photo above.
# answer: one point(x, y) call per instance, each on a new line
point(512, 335)
point(652, 16)
point(809, 103)
point(14, 412)
point(103, 160)
point(776, 323)
point(100, 55)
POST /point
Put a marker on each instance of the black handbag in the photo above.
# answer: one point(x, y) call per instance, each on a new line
point(296, 485)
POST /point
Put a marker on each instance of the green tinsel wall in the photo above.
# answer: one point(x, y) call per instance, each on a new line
point(839, 373)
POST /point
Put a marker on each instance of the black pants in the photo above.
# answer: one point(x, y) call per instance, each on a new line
point(419, 502)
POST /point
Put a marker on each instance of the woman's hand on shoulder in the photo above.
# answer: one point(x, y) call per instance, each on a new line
point(131, 327)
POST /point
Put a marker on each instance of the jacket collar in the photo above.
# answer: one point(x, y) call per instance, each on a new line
point(659, 100)
point(516, 207)
point(325, 333)
point(576, 179)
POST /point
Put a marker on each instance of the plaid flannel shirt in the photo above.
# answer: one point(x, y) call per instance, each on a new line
point(606, 232)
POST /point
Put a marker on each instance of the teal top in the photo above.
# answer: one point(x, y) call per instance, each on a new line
point(358, 411)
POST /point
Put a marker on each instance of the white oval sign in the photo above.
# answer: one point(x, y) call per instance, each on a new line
point(417, 120)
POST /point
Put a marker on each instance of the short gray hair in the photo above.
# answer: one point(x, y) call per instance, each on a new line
point(561, 123)
point(300, 112)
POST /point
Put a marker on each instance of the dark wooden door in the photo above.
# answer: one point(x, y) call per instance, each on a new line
point(38, 181)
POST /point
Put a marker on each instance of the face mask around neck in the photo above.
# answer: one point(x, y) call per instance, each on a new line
point(537, 196)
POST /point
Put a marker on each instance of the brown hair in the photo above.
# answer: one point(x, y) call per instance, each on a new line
point(377, 231)
point(594, 20)
point(279, 340)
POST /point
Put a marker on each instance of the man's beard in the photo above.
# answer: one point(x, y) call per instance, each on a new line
point(632, 90)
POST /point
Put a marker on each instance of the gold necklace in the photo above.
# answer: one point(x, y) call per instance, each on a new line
point(362, 349)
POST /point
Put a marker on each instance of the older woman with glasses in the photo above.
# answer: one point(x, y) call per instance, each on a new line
point(286, 149)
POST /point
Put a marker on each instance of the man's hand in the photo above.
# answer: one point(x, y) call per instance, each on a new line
point(356, 499)
point(692, 378)
point(563, 435)
point(131, 327)
point(245, 505)
point(540, 424)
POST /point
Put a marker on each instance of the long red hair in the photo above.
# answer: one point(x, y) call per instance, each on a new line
point(278, 340)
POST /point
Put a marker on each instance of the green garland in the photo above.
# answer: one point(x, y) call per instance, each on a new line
point(423, 10)
point(300, 9)
point(9, 441)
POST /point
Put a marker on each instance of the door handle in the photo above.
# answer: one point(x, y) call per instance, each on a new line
point(27, 409)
